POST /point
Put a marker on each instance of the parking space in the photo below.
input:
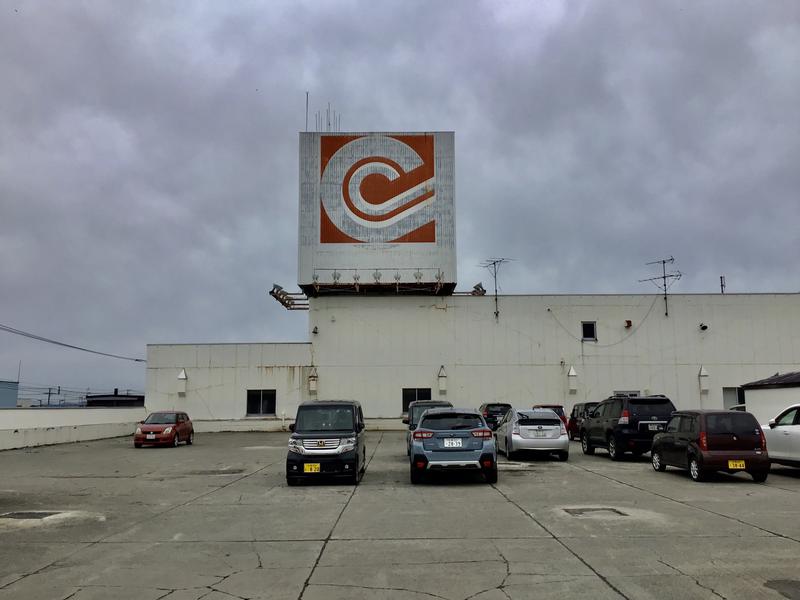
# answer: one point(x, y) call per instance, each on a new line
point(217, 521)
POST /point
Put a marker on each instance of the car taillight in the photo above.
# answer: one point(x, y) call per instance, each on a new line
point(624, 418)
point(563, 429)
point(486, 413)
point(423, 435)
point(703, 441)
point(763, 439)
point(482, 433)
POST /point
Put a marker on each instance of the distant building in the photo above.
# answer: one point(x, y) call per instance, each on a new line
point(115, 399)
point(9, 391)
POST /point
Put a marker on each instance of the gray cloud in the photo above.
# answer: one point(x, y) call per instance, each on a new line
point(148, 154)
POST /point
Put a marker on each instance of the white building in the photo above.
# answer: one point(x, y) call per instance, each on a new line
point(377, 259)
point(371, 349)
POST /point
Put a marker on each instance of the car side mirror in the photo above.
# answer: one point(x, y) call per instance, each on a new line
point(360, 427)
point(405, 421)
point(773, 423)
point(412, 427)
point(291, 427)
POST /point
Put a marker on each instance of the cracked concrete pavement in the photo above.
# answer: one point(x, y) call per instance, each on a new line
point(216, 521)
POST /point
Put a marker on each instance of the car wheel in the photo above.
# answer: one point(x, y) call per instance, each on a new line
point(563, 456)
point(695, 470)
point(759, 476)
point(613, 449)
point(135, 445)
point(510, 453)
point(175, 440)
point(491, 475)
point(417, 475)
point(586, 446)
point(658, 464)
point(190, 440)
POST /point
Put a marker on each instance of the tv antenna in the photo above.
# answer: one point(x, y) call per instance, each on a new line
point(493, 265)
point(665, 280)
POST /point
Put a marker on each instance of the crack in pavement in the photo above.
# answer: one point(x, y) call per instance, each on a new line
point(567, 548)
point(687, 504)
point(697, 582)
point(387, 589)
point(333, 527)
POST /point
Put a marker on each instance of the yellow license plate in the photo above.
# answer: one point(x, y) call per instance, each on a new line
point(736, 464)
point(314, 467)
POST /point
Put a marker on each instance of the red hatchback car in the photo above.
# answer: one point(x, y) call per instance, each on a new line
point(164, 429)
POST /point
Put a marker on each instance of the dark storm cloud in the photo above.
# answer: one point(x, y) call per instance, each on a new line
point(148, 153)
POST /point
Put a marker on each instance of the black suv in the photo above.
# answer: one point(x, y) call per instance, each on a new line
point(327, 440)
point(493, 413)
point(625, 424)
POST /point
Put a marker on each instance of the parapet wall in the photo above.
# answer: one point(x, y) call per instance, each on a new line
point(25, 427)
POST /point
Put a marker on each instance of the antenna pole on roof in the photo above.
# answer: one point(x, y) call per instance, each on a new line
point(306, 112)
point(667, 279)
point(493, 265)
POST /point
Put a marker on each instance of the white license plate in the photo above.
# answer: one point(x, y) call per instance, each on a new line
point(452, 442)
point(654, 427)
point(539, 433)
point(151, 436)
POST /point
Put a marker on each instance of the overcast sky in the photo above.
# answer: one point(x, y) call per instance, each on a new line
point(149, 154)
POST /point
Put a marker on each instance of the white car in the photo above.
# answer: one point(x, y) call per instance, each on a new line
point(783, 437)
point(537, 430)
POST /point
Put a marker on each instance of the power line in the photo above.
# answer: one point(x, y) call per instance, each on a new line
point(33, 336)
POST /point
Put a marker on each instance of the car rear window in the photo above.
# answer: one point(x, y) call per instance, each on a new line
point(445, 421)
point(498, 408)
point(416, 411)
point(651, 407)
point(732, 422)
point(324, 418)
point(559, 410)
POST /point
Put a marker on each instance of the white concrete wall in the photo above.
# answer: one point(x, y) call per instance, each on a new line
point(23, 427)
point(369, 348)
point(218, 377)
point(768, 403)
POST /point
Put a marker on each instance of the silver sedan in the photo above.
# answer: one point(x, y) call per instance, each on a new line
point(540, 430)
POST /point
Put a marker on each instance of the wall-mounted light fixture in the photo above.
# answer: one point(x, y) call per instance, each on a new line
point(702, 377)
point(312, 380)
point(182, 378)
point(442, 377)
point(315, 331)
point(572, 378)
point(628, 323)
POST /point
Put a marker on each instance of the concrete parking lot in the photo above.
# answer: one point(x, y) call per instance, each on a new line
point(217, 521)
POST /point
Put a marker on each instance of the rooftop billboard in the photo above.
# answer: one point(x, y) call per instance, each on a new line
point(377, 212)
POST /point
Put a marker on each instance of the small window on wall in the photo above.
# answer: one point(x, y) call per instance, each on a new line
point(260, 402)
point(589, 330)
point(411, 394)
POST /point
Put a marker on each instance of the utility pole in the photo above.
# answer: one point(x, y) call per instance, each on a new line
point(493, 265)
point(666, 279)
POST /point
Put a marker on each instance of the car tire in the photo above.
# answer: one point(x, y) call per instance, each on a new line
point(657, 462)
point(190, 439)
point(417, 475)
point(759, 476)
point(510, 453)
point(563, 456)
point(135, 445)
point(586, 445)
point(491, 475)
point(696, 472)
point(613, 448)
point(175, 440)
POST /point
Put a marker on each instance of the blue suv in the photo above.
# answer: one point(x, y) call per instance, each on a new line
point(453, 439)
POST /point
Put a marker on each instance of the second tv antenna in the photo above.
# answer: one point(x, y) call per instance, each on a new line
point(493, 265)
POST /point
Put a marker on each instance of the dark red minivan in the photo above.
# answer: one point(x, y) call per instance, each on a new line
point(164, 429)
point(705, 441)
